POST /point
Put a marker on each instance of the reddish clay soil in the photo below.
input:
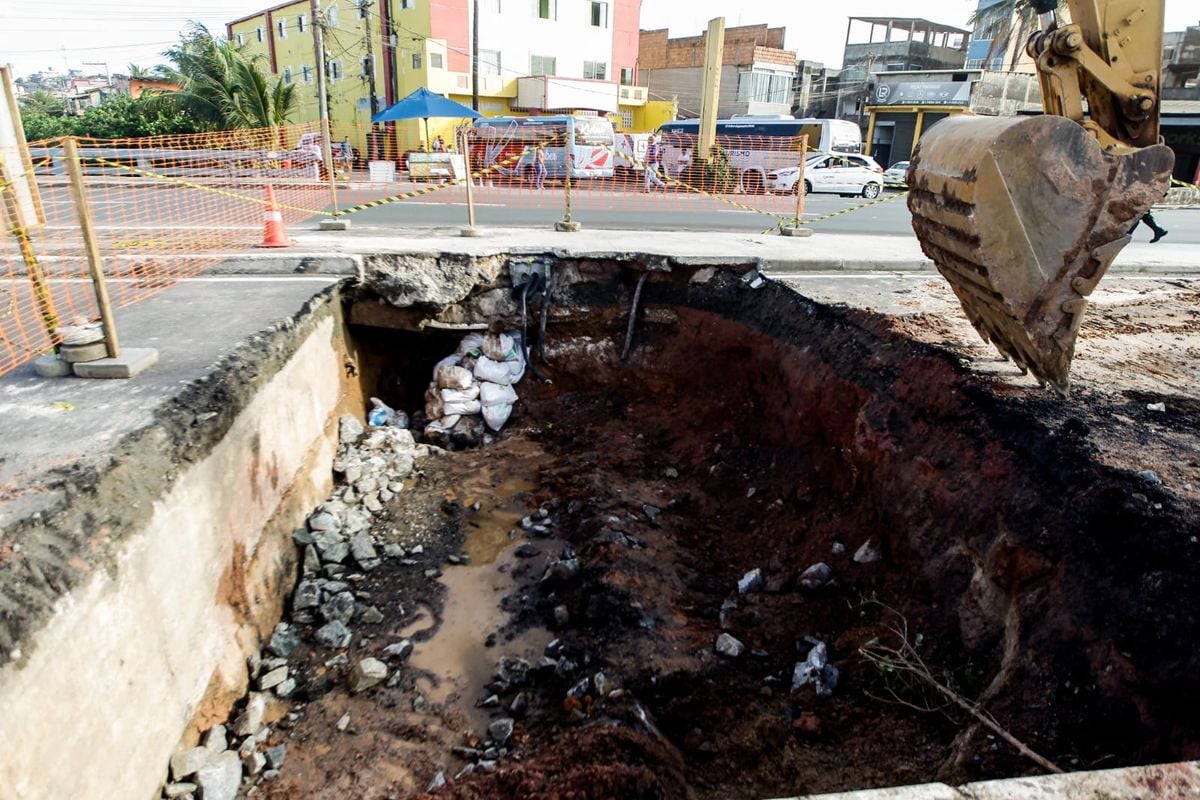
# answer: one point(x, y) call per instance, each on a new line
point(773, 433)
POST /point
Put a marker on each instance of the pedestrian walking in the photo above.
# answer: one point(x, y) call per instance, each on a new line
point(653, 164)
point(1148, 220)
point(539, 167)
point(439, 145)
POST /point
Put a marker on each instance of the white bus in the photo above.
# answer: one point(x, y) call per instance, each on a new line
point(758, 146)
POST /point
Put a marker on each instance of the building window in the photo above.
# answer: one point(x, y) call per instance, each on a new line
point(489, 62)
point(595, 70)
point(281, 26)
point(546, 9)
point(599, 15)
point(363, 9)
point(364, 66)
point(626, 119)
point(542, 65)
point(406, 4)
point(241, 40)
point(762, 86)
point(300, 23)
point(259, 32)
point(306, 73)
point(332, 16)
point(287, 76)
point(416, 60)
point(435, 61)
point(627, 76)
point(335, 71)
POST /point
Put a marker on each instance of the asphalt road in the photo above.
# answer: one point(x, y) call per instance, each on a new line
point(139, 210)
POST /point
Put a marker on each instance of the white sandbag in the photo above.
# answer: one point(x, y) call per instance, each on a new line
point(452, 378)
point(494, 371)
point(460, 395)
point(442, 425)
point(499, 347)
point(463, 407)
point(496, 415)
point(494, 394)
point(471, 343)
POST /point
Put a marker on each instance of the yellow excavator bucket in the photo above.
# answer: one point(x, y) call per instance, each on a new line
point(1023, 215)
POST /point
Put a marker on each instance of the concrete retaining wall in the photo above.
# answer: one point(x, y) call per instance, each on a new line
point(151, 648)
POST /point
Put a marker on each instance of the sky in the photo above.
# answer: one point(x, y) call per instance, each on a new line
point(119, 32)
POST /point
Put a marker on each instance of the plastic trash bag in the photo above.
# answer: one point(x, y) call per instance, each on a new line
point(380, 414)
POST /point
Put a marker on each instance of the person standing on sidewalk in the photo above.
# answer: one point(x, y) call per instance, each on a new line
point(1148, 220)
point(539, 167)
point(653, 164)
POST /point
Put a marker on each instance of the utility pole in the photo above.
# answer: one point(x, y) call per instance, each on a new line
point(475, 55)
point(366, 5)
point(322, 99)
point(714, 51)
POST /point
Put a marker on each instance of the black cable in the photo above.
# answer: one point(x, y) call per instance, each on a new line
point(549, 290)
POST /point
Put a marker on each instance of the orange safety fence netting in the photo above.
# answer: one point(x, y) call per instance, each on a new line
point(163, 209)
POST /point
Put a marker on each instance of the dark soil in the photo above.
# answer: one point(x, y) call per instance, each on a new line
point(772, 433)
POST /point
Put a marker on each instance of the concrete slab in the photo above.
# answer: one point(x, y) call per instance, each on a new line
point(79, 353)
point(131, 362)
point(51, 423)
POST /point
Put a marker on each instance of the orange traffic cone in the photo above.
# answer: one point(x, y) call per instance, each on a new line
point(274, 234)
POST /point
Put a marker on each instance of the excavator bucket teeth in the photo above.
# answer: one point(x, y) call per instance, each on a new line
point(1023, 215)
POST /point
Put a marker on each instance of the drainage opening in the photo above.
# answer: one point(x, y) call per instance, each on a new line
point(740, 563)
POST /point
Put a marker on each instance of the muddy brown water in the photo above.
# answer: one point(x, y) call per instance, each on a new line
point(771, 433)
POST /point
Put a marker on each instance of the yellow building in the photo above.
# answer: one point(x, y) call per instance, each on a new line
point(548, 56)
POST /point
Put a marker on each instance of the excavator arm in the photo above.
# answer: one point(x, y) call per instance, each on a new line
point(1024, 215)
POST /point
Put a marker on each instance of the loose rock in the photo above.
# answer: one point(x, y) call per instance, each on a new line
point(220, 778)
point(728, 646)
point(501, 730)
point(339, 608)
point(254, 762)
point(275, 755)
point(816, 577)
point(367, 673)
point(438, 782)
point(868, 553)
point(752, 581)
point(349, 429)
point(333, 634)
point(284, 640)
point(250, 720)
point(187, 762)
point(307, 595)
point(273, 678)
point(399, 651)
point(363, 549)
point(343, 722)
point(216, 739)
point(173, 790)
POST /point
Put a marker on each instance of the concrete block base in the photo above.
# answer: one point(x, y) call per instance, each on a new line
point(131, 362)
point(470, 232)
point(51, 367)
point(568, 227)
point(76, 353)
point(800, 232)
point(338, 224)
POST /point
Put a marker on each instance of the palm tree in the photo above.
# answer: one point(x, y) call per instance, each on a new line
point(223, 87)
point(136, 71)
point(1008, 24)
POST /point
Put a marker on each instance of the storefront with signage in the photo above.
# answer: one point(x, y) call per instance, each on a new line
point(902, 105)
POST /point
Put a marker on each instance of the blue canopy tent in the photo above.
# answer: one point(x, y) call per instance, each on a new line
point(423, 104)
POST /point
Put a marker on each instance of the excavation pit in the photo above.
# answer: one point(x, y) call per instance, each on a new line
point(607, 528)
point(749, 429)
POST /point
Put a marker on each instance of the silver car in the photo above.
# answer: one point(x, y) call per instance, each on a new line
point(894, 178)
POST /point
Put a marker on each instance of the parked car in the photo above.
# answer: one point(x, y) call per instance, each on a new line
point(895, 176)
point(833, 173)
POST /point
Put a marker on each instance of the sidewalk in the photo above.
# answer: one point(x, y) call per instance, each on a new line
point(778, 255)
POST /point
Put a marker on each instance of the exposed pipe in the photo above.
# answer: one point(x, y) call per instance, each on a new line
point(637, 296)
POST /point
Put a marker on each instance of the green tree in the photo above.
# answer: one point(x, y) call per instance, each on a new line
point(42, 102)
point(222, 87)
point(124, 117)
point(136, 71)
point(1009, 24)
